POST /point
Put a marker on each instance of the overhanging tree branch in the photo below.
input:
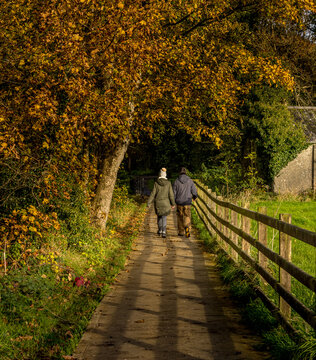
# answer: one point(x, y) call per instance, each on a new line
point(208, 20)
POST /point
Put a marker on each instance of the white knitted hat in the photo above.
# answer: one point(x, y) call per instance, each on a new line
point(163, 173)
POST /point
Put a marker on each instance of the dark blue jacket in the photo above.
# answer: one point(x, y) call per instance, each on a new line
point(184, 190)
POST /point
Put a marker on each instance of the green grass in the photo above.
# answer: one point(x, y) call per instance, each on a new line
point(303, 214)
point(255, 314)
point(43, 314)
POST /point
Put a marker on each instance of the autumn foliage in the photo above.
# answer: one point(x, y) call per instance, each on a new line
point(79, 78)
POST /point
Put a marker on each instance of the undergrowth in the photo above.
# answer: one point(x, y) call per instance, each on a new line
point(46, 304)
point(254, 313)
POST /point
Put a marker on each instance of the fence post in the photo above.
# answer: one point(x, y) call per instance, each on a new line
point(211, 205)
point(226, 229)
point(214, 209)
point(234, 236)
point(314, 169)
point(208, 200)
point(202, 205)
point(285, 251)
point(204, 197)
point(245, 246)
point(263, 239)
point(219, 213)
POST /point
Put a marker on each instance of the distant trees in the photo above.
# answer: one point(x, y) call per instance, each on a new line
point(260, 125)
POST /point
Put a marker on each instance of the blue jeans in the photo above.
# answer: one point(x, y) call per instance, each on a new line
point(162, 224)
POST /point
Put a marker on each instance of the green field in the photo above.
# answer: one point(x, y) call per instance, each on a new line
point(303, 214)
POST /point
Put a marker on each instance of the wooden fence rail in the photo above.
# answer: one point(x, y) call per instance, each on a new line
point(221, 219)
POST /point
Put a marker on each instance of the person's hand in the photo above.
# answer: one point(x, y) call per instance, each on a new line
point(172, 207)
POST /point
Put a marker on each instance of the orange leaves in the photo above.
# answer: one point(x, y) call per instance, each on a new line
point(81, 76)
point(84, 63)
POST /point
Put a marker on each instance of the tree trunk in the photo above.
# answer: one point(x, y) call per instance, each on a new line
point(102, 200)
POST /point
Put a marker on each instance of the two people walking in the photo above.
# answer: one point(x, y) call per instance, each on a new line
point(165, 197)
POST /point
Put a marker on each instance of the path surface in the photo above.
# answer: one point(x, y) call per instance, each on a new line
point(169, 303)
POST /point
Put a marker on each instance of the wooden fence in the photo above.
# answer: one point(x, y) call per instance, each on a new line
point(230, 224)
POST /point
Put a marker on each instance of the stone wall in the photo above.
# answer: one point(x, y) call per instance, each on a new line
point(299, 175)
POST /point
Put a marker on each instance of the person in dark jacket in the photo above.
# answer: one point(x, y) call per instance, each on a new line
point(163, 199)
point(184, 192)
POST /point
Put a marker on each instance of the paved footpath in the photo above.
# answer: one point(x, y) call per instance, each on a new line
point(168, 303)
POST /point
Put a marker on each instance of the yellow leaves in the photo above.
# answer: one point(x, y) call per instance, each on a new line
point(120, 5)
point(284, 11)
point(77, 37)
point(66, 195)
point(31, 219)
point(94, 52)
point(32, 210)
point(74, 70)
point(274, 73)
point(45, 145)
point(56, 225)
point(218, 141)
point(121, 31)
point(23, 226)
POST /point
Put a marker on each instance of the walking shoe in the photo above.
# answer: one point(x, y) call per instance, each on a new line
point(187, 232)
point(159, 232)
point(163, 235)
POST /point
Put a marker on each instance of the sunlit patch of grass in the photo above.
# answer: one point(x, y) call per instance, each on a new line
point(303, 214)
point(276, 340)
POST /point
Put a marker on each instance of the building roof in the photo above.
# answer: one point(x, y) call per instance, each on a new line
point(306, 115)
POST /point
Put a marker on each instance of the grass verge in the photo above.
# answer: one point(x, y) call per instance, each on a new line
point(256, 315)
point(46, 305)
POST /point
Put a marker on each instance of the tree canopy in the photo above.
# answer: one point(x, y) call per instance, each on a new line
point(80, 78)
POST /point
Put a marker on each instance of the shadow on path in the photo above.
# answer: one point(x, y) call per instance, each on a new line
point(169, 303)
